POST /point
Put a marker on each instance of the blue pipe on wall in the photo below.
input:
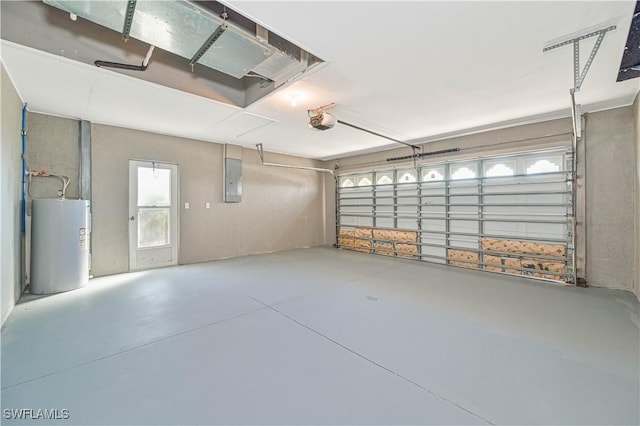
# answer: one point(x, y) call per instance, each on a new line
point(23, 222)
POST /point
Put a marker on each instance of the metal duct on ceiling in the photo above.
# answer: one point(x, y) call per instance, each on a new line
point(186, 28)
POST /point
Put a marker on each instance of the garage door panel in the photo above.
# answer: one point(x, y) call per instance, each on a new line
point(454, 207)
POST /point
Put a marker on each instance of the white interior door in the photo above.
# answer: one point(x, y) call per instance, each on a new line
point(153, 222)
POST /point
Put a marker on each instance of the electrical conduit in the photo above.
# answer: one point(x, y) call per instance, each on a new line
point(23, 221)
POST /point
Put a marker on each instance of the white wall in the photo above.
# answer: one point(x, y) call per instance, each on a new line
point(52, 145)
point(281, 208)
point(10, 196)
point(610, 206)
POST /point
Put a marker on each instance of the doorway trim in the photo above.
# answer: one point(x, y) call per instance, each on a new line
point(168, 254)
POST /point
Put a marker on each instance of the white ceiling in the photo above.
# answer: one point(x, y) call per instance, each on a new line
point(414, 71)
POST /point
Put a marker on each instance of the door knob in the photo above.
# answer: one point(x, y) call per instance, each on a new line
point(132, 218)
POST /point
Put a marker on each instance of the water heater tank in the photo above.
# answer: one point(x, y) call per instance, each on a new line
point(59, 245)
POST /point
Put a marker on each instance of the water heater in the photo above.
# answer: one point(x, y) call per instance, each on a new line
point(59, 245)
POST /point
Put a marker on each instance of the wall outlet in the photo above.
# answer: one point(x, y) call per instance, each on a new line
point(207, 205)
point(186, 205)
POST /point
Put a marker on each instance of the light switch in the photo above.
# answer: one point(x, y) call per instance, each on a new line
point(186, 205)
point(207, 205)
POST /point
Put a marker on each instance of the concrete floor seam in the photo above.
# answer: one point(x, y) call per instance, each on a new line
point(377, 364)
point(337, 284)
point(135, 348)
point(312, 293)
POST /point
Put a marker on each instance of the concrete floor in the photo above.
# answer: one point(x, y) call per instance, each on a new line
point(323, 336)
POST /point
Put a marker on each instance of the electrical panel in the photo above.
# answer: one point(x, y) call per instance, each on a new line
point(232, 180)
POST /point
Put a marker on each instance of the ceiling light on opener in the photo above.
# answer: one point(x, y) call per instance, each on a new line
point(294, 97)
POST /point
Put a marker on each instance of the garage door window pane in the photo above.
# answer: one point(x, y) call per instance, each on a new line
point(502, 168)
point(365, 180)
point(405, 176)
point(464, 171)
point(346, 182)
point(431, 174)
point(384, 178)
point(543, 165)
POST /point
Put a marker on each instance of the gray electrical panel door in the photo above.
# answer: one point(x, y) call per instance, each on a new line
point(232, 180)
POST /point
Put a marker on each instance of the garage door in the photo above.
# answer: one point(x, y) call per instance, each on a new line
point(509, 214)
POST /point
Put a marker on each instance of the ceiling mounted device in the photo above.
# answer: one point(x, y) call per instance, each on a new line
point(322, 117)
point(203, 32)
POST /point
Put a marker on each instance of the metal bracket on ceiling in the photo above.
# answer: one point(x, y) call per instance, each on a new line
point(260, 152)
point(128, 19)
point(209, 42)
point(579, 75)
